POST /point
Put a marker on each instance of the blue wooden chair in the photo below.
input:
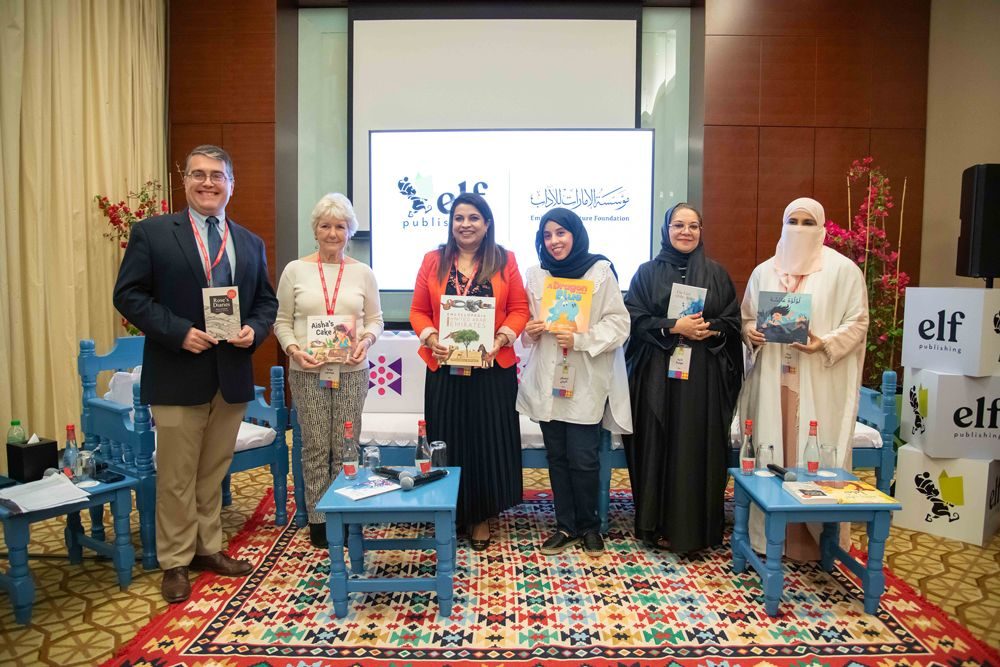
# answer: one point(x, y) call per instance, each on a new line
point(127, 444)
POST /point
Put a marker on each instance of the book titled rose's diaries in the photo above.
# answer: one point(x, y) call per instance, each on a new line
point(222, 312)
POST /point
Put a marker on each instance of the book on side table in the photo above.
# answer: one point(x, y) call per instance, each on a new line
point(372, 486)
point(845, 492)
point(807, 492)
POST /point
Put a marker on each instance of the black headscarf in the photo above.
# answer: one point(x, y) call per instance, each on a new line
point(670, 254)
point(579, 259)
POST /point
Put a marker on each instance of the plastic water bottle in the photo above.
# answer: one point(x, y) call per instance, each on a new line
point(748, 454)
point(71, 454)
point(422, 454)
point(15, 434)
point(811, 453)
point(351, 454)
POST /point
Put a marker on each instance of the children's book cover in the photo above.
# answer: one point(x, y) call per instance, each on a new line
point(466, 329)
point(566, 304)
point(331, 338)
point(854, 492)
point(685, 300)
point(783, 317)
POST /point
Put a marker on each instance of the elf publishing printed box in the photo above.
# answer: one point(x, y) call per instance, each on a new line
point(952, 330)
point(954, 498)
point(951, 416)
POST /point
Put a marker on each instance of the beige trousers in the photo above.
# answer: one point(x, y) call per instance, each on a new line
point(194, 449)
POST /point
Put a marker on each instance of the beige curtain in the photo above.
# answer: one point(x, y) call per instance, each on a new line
point(82, 112)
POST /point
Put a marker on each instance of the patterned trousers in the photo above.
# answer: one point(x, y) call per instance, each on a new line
point(322, 413)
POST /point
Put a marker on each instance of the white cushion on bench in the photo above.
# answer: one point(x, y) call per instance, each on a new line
point(865, 437)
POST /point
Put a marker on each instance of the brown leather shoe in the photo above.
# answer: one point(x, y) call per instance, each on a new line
point(175, 586)
point(222, 564)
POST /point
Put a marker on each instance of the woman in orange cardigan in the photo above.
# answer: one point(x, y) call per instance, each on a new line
point(474, 414)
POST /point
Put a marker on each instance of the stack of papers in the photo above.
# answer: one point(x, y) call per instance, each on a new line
point(52, 491)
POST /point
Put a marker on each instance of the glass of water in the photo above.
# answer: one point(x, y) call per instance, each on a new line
point(439, 454)
point(828, 461)
point(373, 457)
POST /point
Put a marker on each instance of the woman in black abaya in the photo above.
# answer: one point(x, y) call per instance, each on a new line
point(677, 454)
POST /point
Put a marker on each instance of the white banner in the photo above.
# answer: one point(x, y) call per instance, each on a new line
point(605, 176)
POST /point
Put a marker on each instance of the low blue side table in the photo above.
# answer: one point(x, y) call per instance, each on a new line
point(780, 509)
point(17, 531)
point(430, 503)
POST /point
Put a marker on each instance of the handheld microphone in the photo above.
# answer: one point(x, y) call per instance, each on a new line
point(408, 480)
point(786, 475)
point(385, 471)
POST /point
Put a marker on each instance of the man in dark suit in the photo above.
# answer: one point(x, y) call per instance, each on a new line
point(197, 386)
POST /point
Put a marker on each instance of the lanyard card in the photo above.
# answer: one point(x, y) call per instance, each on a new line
point(562, 385)
point(680, 362)
point(463, 371)
point(329, 376)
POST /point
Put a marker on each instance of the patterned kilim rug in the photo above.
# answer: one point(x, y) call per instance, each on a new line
point(513, 606)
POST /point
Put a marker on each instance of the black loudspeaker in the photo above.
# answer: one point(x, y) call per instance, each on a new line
point(979, 239)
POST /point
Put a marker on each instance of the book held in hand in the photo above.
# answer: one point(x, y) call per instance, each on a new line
point(331, 338)
point(372, 486)
point(783, 317)
point(808, 492)
point(222, 312)
point(854, 492)
point(685, 300)
point(566, 304)
point(466, 329)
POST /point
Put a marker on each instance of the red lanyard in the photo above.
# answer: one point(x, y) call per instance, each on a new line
point(204, 250)
point(330, 305)
point(458, 282)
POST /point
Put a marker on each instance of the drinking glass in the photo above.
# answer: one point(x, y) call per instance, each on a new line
point(373, 457)
point(765, 455)
point(439, 454)
point(827, 460)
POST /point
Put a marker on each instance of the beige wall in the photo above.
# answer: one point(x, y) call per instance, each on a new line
point(963, 123)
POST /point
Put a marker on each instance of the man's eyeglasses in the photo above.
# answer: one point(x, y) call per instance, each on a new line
point(217, 177)
point(693, 228)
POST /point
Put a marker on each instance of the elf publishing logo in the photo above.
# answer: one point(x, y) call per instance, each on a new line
point(929, 330)
point(418, 204)
point(966, 417)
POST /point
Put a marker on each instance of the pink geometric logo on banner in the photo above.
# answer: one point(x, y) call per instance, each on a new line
point(383, 376)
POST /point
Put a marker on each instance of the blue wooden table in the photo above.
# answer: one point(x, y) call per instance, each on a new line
point(17, 532)
point(430, 503)
point(780, 509)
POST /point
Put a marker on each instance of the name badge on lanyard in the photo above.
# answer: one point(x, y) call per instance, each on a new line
point(680, 362)
point(329, 374)
point(562, 384)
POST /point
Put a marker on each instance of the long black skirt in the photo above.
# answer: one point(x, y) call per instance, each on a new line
point(477, 418)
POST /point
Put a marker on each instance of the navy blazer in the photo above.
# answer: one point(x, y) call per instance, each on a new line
point(159, 290)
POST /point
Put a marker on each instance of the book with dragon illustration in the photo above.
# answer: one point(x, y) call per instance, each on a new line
point(783, 317)
point(566, 304)
point(467, 329)
point(331, 338)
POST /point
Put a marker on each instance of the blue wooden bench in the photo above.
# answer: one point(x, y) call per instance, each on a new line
point(127, 445)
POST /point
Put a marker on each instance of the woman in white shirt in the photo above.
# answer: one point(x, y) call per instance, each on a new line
point(589, 364)
point(327, 283)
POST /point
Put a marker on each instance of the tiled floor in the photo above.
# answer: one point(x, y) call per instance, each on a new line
point(80, 616)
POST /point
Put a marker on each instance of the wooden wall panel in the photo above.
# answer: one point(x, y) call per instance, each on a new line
point(836, 148)
point(732, 80)
point(785, 173)
point(843, 81)
point(252, 147)
point(788, 81)
point(184, 137)
point(730, 209)
point(836, 80)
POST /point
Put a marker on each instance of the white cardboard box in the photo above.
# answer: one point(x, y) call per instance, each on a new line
point(951, 416)
point(954, 498)
point(952, 330)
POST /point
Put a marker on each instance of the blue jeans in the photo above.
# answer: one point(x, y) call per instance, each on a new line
point(574, 470)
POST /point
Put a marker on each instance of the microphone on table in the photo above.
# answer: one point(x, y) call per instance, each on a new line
point(385, 471)
point(408, 480)
point(785, 475)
